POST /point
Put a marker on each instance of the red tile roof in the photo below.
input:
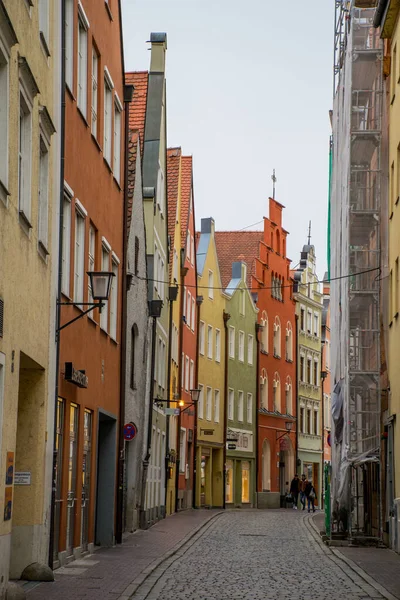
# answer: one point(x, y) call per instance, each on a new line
point(186, 195)
point(132, 158)
point(137, 109)
point(234, 246)
point(173, 173)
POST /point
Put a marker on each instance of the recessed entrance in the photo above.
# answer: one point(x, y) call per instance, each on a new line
point(106, 460)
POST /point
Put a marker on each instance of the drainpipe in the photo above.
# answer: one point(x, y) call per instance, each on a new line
point(297, 390)
point(226, 317)
point(173, 294)
point(58, 307)
point(258, 328)
point(128, 95)
point(199, 301)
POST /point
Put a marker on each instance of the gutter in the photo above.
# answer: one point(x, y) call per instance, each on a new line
point(380, 12)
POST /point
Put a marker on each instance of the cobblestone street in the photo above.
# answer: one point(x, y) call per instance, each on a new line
point(253, 555)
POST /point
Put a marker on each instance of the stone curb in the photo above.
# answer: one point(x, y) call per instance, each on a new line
point(140, 579)
point(351, 564)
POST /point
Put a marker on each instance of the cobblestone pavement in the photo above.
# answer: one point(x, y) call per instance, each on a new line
point(256, 555)
point(114, 573)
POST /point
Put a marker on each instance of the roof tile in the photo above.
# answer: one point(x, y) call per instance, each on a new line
point(137, 112)
point(234, 246)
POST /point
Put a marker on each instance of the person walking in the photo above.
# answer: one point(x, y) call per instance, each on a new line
point(310, 495)
point(294, 490)
point(302, 490)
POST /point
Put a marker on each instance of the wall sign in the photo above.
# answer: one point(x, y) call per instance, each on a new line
point(76, 377)
point(22, 478)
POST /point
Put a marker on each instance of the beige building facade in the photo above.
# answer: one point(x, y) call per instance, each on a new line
point(30, 120)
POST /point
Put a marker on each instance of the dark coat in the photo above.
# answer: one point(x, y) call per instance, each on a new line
point(308, 489)
point(294, 486)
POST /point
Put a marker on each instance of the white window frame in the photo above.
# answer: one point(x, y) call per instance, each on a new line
point(209, 403)
point(160, 189)
point(182, 370)
point(250, 349)
point(216, 405)
point(231, 339)
point(231, 404)
point(249, 408)
point(82, 78)
point(79, 252)
point(189, 309)
point(193, 312)
point(316, 324)
point(105, 266)
point(200, 403)
point(91, 260)
point(191, 379)
point(95, 91)
point(4, 119)
point(218, 345)
point(211, 285)
point(187, 366)
point(202, 337)
point(117, 137)
point(69, 43)
point(44, 24)
point(182, 450)
point(108, 117)
point(210, 338)
point(66, 242)
point(114, 298)
point(241, 346)
point(192, 253)
point(240, 406)
point(309, 324)
point(25, 157)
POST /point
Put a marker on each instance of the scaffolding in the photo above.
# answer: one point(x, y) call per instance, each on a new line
point(355, 258)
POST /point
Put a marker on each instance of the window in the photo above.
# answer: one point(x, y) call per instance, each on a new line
point(315, 422)
point(91, 260)
point(264, 335)
point(264, 389)
point(114, 301)
point(289, 342)
point(240, 406)
point(316, 373)
point(277, 337)
point(302, 319)
point(394, 69)
point(396, 287)
point(309, 324)
point(182, 451)
point(188, 248)
point(241, 346)
point(95, 89)
point(79, 255)
point(277, 393)
point(249, 408)
point(189, 308)
point(184, 305)
point(43, 226)
point(231, 342)
point(209, 341)
point(107, 117)
point(309, 370)
point(193, 313)
point(192, 242)
point(4, 117)
point(191, 382)
point(216, 406)
point(187, 373)
point(302, 364)
point(288, 394)
point(242, 302)
point(66, 245)
point(210, 284)
point(69, 43)
point(217, 345)
point(24, 158)
point(250, 345)
point(83, 26)
point(44, 23)
point(209, 404)
point(308, 426)
point(316, 325)
point(160, 189)
point(105, 266)
point(202, 337)
point(182, 370)
point(231, 399)
point(200, 403)
point(117, 138)
point(302, 420)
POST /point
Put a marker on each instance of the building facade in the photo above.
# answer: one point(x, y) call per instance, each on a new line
point(211, 368)
point(88, 403)
point(309, 403)
point(326, 370)
point(30, 133)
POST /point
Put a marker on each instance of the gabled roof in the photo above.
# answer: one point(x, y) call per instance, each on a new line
point(137, 109)
point(234, 246)
point(186, 196)
point(173, 168)
point(132, 159)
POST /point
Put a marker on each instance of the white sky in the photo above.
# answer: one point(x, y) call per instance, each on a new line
point(249, 87)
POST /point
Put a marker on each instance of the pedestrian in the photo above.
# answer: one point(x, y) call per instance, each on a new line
point(302, 490)
point(294, 490)
point(310, 495)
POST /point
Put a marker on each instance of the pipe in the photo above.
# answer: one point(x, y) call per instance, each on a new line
point(226, 317)
point(257, 412)
point(199, 300)
point(59, 284)
point(379, 12)
point(171, 306)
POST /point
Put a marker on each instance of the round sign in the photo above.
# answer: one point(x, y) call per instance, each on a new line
point(130, 431)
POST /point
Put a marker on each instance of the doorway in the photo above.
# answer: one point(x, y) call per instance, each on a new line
point(72, 459)
point(58, 474)
point(105, 494)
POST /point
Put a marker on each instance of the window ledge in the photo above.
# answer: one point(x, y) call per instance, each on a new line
point(117, 183)
point(104, 331)
point(108, 164)
point(114, 341)
point(70, 92)
point(4, 193)
point(43, 252)
point(24, 221)
point(396, 316)
point(94, 138)
point(264, 352)
point(83, 117)
point(109, 10)
point(45, 46)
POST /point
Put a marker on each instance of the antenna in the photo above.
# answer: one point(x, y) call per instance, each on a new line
point(309, 233)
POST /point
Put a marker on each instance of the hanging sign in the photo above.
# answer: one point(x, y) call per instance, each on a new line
point(130, 431)
point(76, 377)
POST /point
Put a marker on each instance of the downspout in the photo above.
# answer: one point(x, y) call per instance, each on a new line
point(226, 317)
point(58, 308)
point(172, 298)
point(297, 391)
point(199, 301)
point(128, 95)
point(257, 329)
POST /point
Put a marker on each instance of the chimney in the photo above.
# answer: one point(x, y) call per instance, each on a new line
point(208, 225)
point(239, 270)
point(158, 49)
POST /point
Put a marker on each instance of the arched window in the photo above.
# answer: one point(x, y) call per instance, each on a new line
point(264, 334)
point(289, 396)
point(278, 241)
point(289, 341)
point(264, 389)
point(134, 338)
point(277, 337)
point(277, 393)
point(266, 466)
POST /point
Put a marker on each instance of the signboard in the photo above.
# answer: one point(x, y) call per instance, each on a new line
point(172, 412)
point(231, 446)
point(207, 431)
point(130, 431)
point(328, 439)
point(78, 378)
point(284, 444)
point(22, 478)
point(242, 439)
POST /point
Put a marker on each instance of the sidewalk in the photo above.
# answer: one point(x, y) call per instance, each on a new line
point(108, 572)
point(382, 564)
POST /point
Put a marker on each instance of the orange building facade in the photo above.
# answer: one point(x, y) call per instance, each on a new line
point(92, 240)
point(276, 363)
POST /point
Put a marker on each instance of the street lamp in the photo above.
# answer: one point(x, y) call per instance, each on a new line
point(100, 284)
point(289, 426)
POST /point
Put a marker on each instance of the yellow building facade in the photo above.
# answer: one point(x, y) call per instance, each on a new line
point(30, 92)
point(211, 375)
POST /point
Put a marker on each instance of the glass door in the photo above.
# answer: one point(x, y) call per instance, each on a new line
point(87, 453)
point(229, 481)
point(245, 481)
point(71, 494)
point(57, 475)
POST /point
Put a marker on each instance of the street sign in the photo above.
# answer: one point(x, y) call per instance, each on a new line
point(231, 446)
point(130, 431)
point(172, 411)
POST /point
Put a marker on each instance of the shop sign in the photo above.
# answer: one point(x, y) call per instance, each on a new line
point(231, 446)
point(76, 377)
point(10, 468)
point(242, 440)
point(172, 412)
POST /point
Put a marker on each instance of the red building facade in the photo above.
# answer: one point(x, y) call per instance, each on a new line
point(276, 362)
point(92, 240)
